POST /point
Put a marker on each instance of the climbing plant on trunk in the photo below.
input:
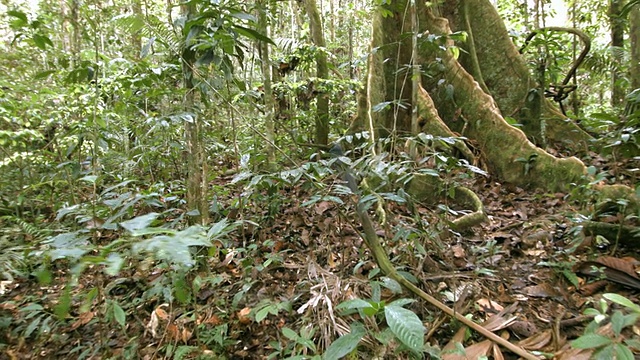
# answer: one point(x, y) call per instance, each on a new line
point(460, 102)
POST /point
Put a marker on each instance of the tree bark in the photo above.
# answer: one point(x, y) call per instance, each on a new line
point(504, 71)
point(616, 24)
point(196, 165)
point(267, 71)
point(458, 98)
point(322, 101)
point(634, 40)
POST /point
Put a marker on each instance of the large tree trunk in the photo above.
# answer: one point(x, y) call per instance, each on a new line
point(505, 73)
point(460, 101)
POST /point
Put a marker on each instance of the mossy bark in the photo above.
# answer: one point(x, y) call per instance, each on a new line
point(471, 111)
point(504, 71)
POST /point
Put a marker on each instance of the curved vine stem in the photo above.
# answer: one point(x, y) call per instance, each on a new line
point(380, 256)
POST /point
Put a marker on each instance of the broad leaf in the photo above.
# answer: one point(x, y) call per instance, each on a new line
point(139, 222)
point(252, 34)
point(406, 325)
point(119, 314)
point(621, 300)
point(353, 305)
point(346, 343)
point(590, 341)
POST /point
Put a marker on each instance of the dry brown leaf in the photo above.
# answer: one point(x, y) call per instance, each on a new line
point(497, 353)
point(540, 291)
point(83, 319)
point(186, 335)
point(625, 265)
point(458, 252)
point(152, 325)
point(323, 206)
point(594, 287)
point(213, 320)
point(614, 269)
point(173, 332)
point(161, 314)
point(486, 304)
point(474, 351)
point(537, 341)
point(498, 322)
point(524, 328)
point(574, 354)
point(243, 316)
point(457, 338)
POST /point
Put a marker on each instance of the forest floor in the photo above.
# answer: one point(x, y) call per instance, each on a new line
point(272, 289)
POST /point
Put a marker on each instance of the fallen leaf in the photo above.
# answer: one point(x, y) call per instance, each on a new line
point(243, 316)
point(83, 319)
point(537, 341)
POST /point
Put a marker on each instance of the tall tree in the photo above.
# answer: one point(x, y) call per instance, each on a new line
point(449, 95)
point(267, 76)
point(634, 40)
point(616, 25)
point(196, 164)
point(322, 72)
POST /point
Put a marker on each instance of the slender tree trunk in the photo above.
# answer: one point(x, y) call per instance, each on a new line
point(575, 101)
point(76, 35)
point(196, 165)
point(64, 25)
point(322, 101)
point(136, 39)
point(634, 39)
point(267, 69)
point(617, 42)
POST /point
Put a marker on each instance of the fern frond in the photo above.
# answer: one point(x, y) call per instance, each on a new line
point(150, 27)
point(27, 228)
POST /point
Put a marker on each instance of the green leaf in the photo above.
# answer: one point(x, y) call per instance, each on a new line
point(68, 245)
point(220, 229)
point(353, 305)
point(87, 303)
point(139, 222)
point(392, 285)
point(114, 263)
point(89, 178)
point(243, 16)
point(32, 326)
point(633, 343)
point(630, 319)
point(623, 352)
point(44, 74)
point(606, 353)
point(119, 314)
point(252, 34)
point(401, 302)
point(262, 313)
point(32, 307)
point(590, 341)
point(42, 41)
point(621, 300)
point(18, 14)
point(617, 322)
point(346, 343)
point(290, 334)
point(407, 327)
point(61, 309)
